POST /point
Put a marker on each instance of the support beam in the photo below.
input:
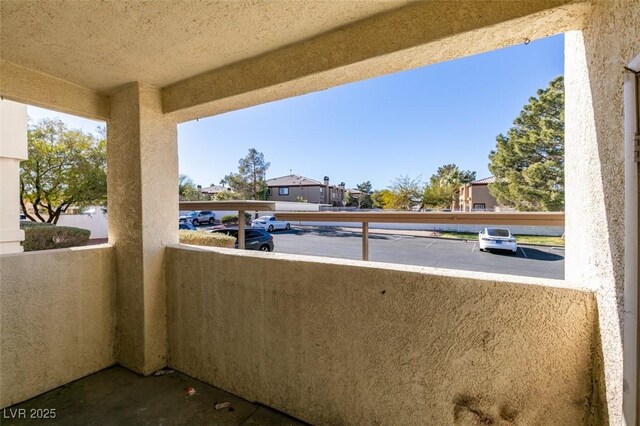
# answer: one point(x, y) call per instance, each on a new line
point(13, 149)
point(31, 87)
point(241, 242)
point(365, 241)
point(418, 34)
point(142, 172)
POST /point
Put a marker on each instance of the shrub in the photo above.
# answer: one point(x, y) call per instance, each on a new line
point(233, 218)
point(203, 238)
point(45, 236)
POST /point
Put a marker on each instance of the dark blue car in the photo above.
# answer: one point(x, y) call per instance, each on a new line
point(254, 239)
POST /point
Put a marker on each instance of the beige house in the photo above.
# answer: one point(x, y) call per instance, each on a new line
point(291, 187)
point(475, 196)
point(329, 341)
point(213, 190)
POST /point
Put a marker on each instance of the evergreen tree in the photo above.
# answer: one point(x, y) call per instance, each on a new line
point(249, 182)
point(365, 188)
point(528, 162)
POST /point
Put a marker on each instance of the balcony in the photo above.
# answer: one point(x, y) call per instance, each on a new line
point(323, 340)
point(307, 336)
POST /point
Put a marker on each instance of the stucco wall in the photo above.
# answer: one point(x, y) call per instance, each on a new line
point(57, 318)
point(348, 342)
point(310, 193)
point(481, 194)
point(594, 173)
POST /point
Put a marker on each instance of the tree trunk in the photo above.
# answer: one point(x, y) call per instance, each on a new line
point(24, 210)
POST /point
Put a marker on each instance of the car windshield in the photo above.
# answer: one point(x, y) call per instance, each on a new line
point(498, 232)
point(193, 214)
point(264, 218)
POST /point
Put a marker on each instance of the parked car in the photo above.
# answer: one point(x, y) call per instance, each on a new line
point(270, 223)
point(254, 239)
point(198, 217)
point(187, 225)
point(497, 239)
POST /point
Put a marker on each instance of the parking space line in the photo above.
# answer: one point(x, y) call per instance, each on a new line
point(474, 247)
point(525, 254)
point(432, 243)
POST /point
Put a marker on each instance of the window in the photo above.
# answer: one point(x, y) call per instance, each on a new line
point(283, 191)
point(321, 190)
point(479, 206)
point(269, 192)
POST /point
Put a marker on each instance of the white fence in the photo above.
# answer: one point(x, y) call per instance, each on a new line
point(94, 219)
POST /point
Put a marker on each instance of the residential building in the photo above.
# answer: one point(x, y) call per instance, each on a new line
point(213, 190)
point(475, 196)
point(295, 187)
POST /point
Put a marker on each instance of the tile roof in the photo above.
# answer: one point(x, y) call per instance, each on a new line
point(490, 179)
point(293, 180)
point(214, 189)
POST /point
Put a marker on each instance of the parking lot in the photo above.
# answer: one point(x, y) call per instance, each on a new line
point(543, 262)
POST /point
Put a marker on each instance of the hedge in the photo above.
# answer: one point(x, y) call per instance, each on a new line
point(203, 238)
point(45, 236)
point(233, 218)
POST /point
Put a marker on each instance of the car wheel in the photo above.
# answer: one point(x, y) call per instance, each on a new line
point(265, 248)
point(288, 226)
point(211, 221)
point(195, 222)
point(270, 228)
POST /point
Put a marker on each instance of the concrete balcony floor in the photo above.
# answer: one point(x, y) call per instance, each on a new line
point(117, 396)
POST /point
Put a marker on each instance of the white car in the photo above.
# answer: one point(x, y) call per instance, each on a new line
point(270, 223)
point(497, 239)
point(199, 217)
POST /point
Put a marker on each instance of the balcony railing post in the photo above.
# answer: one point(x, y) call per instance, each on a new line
point(241, 229)
point(365, 240)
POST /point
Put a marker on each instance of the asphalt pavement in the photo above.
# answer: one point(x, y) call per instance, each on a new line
point(543, 262)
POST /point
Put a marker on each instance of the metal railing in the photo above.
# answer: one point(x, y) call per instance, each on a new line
point(365, 218)
point(457, 218)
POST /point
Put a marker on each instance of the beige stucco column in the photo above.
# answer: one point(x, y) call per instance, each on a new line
point(142, 171)
point(13, 149)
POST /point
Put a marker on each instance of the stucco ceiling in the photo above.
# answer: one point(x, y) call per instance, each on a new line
point(161, 42)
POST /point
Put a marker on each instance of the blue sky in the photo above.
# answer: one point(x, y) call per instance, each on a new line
point(406, 123)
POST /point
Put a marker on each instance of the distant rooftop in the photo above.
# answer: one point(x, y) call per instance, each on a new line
point(293, 180)
point(490, 179)
point(214, 189)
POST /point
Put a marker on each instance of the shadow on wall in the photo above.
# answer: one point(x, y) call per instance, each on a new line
point(471, 410)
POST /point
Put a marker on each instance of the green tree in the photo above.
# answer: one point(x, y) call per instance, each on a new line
point(406, 193)
point(443, 188)
point(438, 195)
point(65, 167)
point(365, 188)
point(249, 181)
point(349, 200)
point(187, 190)
point(382, 199)
point(227, 195)
point(528, 161)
